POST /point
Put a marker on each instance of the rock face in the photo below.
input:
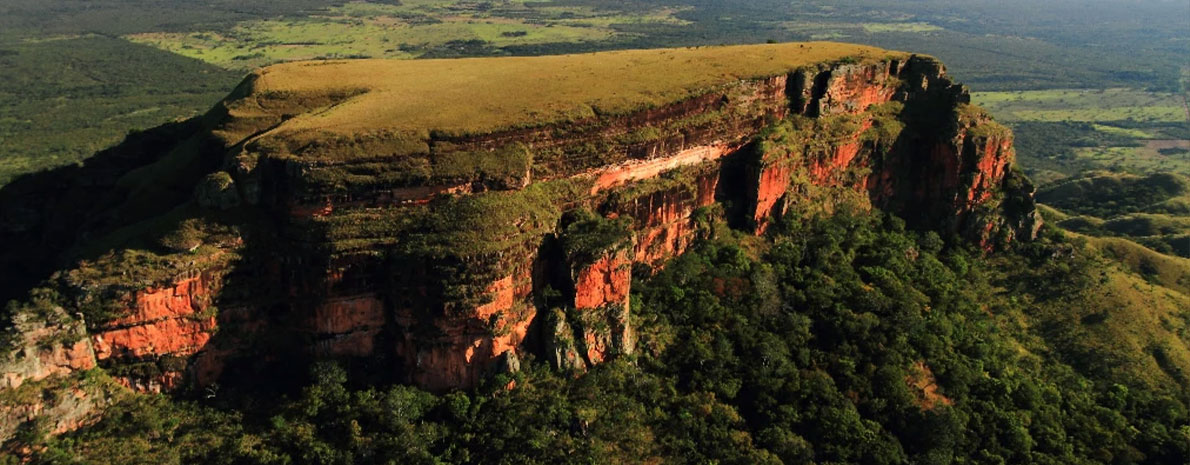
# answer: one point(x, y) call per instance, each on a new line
point(47, 344)
point(441, 257)
point(57, 405)
point(43, 370)
point(167, 321)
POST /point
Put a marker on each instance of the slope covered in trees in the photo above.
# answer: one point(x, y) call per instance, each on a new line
point(839, 338)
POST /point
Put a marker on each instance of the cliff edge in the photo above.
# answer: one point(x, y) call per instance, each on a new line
point(437, 221)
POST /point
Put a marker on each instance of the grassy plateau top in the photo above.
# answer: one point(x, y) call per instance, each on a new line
point(479, 95)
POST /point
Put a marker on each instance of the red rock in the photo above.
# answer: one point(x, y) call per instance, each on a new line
point(470, 340)
point(183, 297)
point(348, 326)
point(773, 182)
point(176, 336)
point(602, 302)
point(603, 282)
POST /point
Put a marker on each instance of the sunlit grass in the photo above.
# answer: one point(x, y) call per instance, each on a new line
point(1126, 132)
point(841, 30)
point(485, 94)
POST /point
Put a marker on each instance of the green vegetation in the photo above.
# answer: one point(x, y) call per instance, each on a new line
point(1084, 105)
point(682, 181)
point(509, 166)
point(1107, 194)
point(1144, 159)
point(498, 221)
point(588, 236)
point(63, 100)
point(1128, 319)
point(1157, 268)
point(910, 27)
point(1062, 133)
point(842, 339)
point(886, 125)
point(401, 30)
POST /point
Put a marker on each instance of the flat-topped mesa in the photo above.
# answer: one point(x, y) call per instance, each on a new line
point(441, 219)
point(332, 135)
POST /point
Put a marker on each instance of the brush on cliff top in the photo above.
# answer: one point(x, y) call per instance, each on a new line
point(404, 101)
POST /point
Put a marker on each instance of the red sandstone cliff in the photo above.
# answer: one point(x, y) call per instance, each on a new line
point(445, 282)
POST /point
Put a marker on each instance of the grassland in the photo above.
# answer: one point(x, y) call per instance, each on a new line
point(911, 27)
point(407, 30)
point(1132, 318)
point(1086, 105)
point(484, 94)
point(1143, 159)
point(1007, 46)
point(857, 30)
point(1062, 132)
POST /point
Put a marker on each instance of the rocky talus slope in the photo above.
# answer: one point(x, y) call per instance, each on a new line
point(439, 232)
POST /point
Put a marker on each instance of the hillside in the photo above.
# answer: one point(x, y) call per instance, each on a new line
point(1152, 210)
point(747, 254)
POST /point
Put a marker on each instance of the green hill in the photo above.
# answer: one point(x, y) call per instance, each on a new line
point(1153, 210)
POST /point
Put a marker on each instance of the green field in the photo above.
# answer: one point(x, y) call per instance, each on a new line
point(1124, 132)
point(1086, 105)
point(408, 30)
point(1062, 132)
point(847, 31)
point(912, 27)
point(1144, 159)
point(63, 100)
point(1153, 210)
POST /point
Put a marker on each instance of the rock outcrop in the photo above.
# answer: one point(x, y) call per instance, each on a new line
point(439, 251)
point(45, 366)
point(45, 342)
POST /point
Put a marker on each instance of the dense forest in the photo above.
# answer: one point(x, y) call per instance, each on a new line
point(839, 338)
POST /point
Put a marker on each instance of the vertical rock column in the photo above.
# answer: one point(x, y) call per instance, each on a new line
point(450, 342)
point(594, 324)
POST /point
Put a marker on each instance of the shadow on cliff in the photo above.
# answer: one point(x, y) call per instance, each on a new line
point(124, 197)
point(44, 215)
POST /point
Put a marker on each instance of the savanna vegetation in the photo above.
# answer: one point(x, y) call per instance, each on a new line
point(63, 99)
point(1061, 133)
